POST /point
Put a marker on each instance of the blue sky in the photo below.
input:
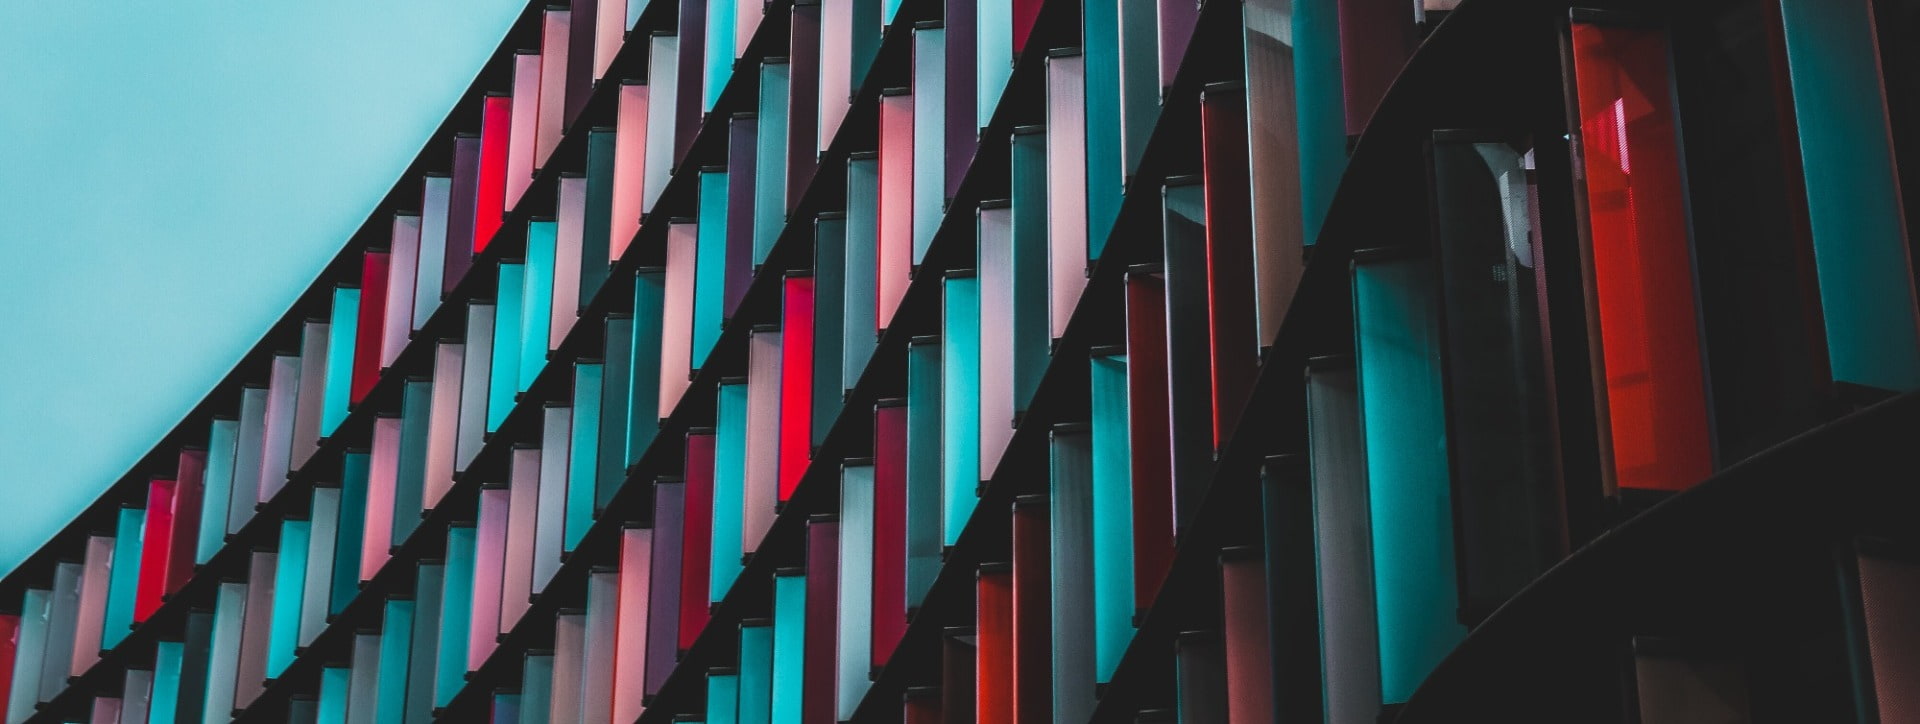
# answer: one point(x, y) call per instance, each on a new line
point(172, 176)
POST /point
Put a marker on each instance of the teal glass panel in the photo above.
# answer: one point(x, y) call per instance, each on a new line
point(1853, 194)
point(1139, 78)
point(1112, 515)
point(960, 402)
point(596, 228)
point(1100, 52)
point(729, 485)
point(353, 523)
point(756, 672)
point(616, 375)
point(63, 619)
point(829, 303)
point(396, 639)
point(504, 377)
point(248, 448)
point(993, 37)
point(416, 400)
point(770, 158)
point(925, 481)
point(1320, 104)
point(719, 50)
point(428, 601)
point(929, 136)
point(333, 695)
point(476, 384)
point(289, 585)
point(340, 339)
point(364, 680)
point(164, 704)
point(123, 579)
point(30, 646)
point(723, 696)
point(1070, 534)
point(536, 689)
point(456, 610)
point(789, 645)
point(584, 451)
point(321, 539)
point(862, 266)
point(218, 489)
point(865, 35)
point(1403, 419)
point(550, 513)
point(229, 607)
point(1032, 338)
point(596, 660)
point(506, 708)
point(536, 314)
point(710, 264)
point(643, 406)
point(855, 602)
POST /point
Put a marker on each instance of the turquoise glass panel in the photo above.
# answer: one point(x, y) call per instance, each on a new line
point(723, 698)
point(1397, 354)
point(1032, 338)
point(993, 36)
point(536, 314)
point(729, 486)
point(865, 37)
point(353, 524)
point(1853, 194)
point(289, 587)
point(124, 578)
point(218, 489)
point(643, 407)
point(929, 136)
point(339, 379)
point(719, 49)
point(829, 303)
point(770, 159)
point(396, 639)
point(1320, 104)
point(710, 265)
point(1112, 515)
point(456, 612)
point(583, 452)
point(29, 651)
point(960, 403)
point(415, 400)
point(164, 706)
point(862, 265)
point(536, 689)
point(334, 681)
point(789, 646)
point(855, 602)
point(925, 478)
point(756, 673)
point(428, 602)
point(1100, 52)
point(615, 377)
point(504, 378)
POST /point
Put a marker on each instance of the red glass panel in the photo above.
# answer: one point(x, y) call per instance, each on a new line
point(699, 538)
point(1032, 624)
point(1642, 269)
point(796, 382)
point(373, 311)
point(155, 540)
point(189, 484)
point(993, 687)
point(1148, 436)
point(889, 528)
point(823, 585)
point(1376, 37)
point(1229, 224)
point(496, 118)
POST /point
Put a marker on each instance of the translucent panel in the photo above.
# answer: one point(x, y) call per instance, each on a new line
point(580, 75)
point(761, 489)
point(290, 576)
point(415, 402)
point(248, 450)
point(616, 375)
point(796, 381)
point(993, 658)
point(643, 380)
point(676, 318)
point(1274, 153)
point(958, 650)
point(1396, 349)
point(823, 583)
point(503, 381)
point(1066, 187)
point(459, 242)
point(960, 402)
point(854, 610)
point(164, 703)
point(583, 452)
point(569, 641)
point(1032, 619)
point(340, 346)
point(1293, 644)
point(1139, 84)
point(322, 539)
point(396, 637)
point(1176, 23)
point(188, 489)
point(221, 439)
point(196, 655)
point(95, 574)
point(695, 562)
point(1032, 342)
point(836, 67)
point(770, 180)
point(629, 168)
point(403, 264)
point(1071, 575)
point(994, 226)
point(436, 198)
point(355, 477)
point(1243, 598)
point(889, 608)
point(1231, 327)
point(958, 18)
point(536, 688)
point(710, 265)
point(596, 226)
point(332, 706)
point(993, 39)
point(522, 126)
point(829, 321)
point(136, 696)
point(896, 248)
point(1102, 121)
point(662, 89)
point(538, 316)
point(1112, 506)
point(476, 379)
point(628, 679)
point(729, 485)
point(276, 438)
point(456, 612)
point(1199, 663)
point(927, 534)
point(376, 528)
point(862, 261)
point(756, 671)
point(570, 222)
point(719, 50)
point(742, 130)
point(596, 657)
point(1375, 40)
point(123, 580)
point(372, 312)
point(723, 696)
point(929, 136)
point(523, 500)
point(363, 681)
point(489, 573)
point(803, 102)
point(610, 25)
point(554, 31)
point(429, 592)
point(443, 422)
point(1188, 359)
point(1888, 586)
point(249, 672)
point(63, 617)
point(156, 534)
point(662, 605)
point(29, 650)
point(788, 667)
point(490, 204)
point(1318, 108)
point(1151, 468)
